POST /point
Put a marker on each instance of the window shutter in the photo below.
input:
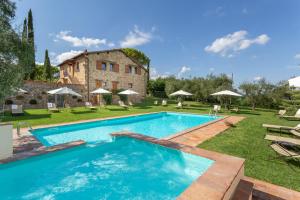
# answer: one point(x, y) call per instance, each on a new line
point(127, 69)
point(98, 83)
point(98, 64)
point(139, 70)
point(116, 68)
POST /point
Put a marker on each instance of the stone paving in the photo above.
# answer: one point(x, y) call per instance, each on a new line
point(196, 137)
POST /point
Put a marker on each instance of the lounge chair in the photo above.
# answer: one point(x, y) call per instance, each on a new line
point(89, 105)
point(17, 109)
point(67, 106)
point(156, 102)
point(281, 113)
point(295, 117)
point(52, 107)
point(275, 138)
point(122, 104)
point(130, 103)
point(217, 108)
point(164, 103)
point(280, 128)
point(236, 109)
point(179, 105)
point(295, 133)
point(279, 147)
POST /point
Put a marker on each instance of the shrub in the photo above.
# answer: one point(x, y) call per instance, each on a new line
point(79, 100)
point(107, 98)
point(33, 101)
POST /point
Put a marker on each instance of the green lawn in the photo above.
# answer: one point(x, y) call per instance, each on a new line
point(245, 140)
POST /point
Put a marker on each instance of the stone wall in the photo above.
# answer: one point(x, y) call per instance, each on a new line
point(37, 93)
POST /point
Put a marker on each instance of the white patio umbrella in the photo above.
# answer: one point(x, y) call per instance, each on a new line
point(100, 91)
point(181, 93)
point(227, 93)
point(63, 91)
point(128, 92)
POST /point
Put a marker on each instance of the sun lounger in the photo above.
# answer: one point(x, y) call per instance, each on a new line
point(295, 117)
point(295, 133)
point(280, 128)
point(52, 107)
point(281, 113)
point(235, 109)
point(17, 109)
point(130, 103)
point(164, 103)
point(90, 106)
point(279, 148)
point(179, 105)
point(67, 106)
point(156, 102)
point(122, 104)
point(216, 108)
point(282, 139)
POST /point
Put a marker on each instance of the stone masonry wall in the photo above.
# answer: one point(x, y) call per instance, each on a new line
point(37, 91)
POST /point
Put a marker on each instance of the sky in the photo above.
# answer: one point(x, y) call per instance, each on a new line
point(251, 39)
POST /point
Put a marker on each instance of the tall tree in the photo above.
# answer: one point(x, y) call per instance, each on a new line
point(31, 45)
point(47, 66)
point(24, 61)
point(11, 75)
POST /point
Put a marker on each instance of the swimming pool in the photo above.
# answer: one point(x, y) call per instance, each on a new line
point(126, 168)
point(157, 125)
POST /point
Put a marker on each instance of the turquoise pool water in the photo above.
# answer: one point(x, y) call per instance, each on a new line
point(123, 169)
point(157, 125)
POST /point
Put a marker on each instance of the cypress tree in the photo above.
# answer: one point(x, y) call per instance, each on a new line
point(47, 66)
point(24, 56)
point(31, 56)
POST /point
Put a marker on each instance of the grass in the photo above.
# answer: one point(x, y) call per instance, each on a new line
point(246, 140)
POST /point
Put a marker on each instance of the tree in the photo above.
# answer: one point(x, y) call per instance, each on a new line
point(31, 50)
point(24, 61)
point(11, 73)
point(48, 67)
point(251, 91)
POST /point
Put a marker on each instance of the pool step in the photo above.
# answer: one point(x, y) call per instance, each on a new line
point(243, 191)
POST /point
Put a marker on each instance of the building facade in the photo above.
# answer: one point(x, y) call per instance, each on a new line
point(111, 69)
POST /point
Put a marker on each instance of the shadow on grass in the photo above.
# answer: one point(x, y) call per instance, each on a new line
point(83, 112)
point(26, 116)
point(118, 109)
point(248, 112)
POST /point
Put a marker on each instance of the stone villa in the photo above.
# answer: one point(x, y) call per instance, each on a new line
point(109, 69)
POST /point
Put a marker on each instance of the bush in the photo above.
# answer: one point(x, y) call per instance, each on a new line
point(79, 100)
point(33, 101)
point(107, 98)
point(8, 102)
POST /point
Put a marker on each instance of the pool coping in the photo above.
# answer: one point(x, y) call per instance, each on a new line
point(218, 182)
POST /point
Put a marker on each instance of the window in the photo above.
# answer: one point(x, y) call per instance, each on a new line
point(130, 69)
point(111, 67)
point(130, 85)
point(103, 66)
point(135, 70)
point(105, 84)
point(77, 67)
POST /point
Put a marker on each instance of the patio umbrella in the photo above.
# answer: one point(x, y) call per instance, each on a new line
point(100, 91)
point(181, 93)
point(128, 92)
point(227, 93)
point(63, 91)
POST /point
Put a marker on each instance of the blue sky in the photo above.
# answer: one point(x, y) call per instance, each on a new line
point(251, 39)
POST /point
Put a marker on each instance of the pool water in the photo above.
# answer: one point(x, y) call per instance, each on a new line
point(123, 169)
point(157, 125)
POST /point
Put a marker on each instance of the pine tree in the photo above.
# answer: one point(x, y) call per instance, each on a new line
point(47, 66)
point(24, 58)
point(31, 55)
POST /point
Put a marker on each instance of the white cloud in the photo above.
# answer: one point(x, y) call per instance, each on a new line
point(136, 37)
point(235, 42)
point(297, 56)
point(66, 55)
point(257, 78)
point(110, 44)
point(211, 69)
point(79, 42)
point(39, 63)
point(154, 74)
point(183, 70)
